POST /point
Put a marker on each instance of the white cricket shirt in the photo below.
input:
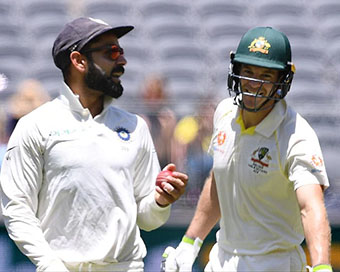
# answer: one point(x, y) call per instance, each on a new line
point(75, 188)
point(257, 172)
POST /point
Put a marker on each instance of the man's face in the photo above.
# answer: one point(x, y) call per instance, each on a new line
point(251, 89)
point(105, 66)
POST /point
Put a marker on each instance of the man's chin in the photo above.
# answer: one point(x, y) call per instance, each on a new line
point(251, 106)
point(116, 80)
point(115, 92)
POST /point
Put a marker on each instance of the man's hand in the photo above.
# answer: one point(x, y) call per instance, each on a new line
point(183, 257)
point(174, 187)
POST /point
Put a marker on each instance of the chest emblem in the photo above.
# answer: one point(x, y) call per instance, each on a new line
point(123, 133)
point(259, 160)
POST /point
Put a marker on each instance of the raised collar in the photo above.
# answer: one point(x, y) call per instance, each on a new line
point(269, 124)
point(72, 100)
point(273, 120)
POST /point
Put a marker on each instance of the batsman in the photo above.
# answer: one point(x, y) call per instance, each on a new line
point(268, 178)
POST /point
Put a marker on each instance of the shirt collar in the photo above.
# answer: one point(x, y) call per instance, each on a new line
point(269, 124)
point(249, 130)
point(72, 99)
point(273, 120)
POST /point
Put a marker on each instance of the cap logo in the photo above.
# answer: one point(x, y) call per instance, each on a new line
point(98, 21)
point(259, 44)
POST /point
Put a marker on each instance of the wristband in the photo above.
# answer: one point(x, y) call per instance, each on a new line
point(320, 268)
point(191, 241)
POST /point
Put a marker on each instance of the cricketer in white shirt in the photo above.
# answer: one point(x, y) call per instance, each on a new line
point(78, 189)
point(257, 171)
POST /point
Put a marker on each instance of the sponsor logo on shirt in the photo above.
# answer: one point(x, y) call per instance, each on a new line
point(221, 137)
point(317, 163)
point(123, 133)
point(62, 133)
point(259, 160)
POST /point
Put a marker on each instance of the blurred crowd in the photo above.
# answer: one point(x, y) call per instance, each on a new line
point(183, 140)
point(29, 94)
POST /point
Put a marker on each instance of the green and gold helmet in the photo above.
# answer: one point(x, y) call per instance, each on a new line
point(264, 47)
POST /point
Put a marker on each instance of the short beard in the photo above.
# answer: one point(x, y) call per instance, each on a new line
point(96, 79)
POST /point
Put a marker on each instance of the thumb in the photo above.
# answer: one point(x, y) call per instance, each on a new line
point(171, 167)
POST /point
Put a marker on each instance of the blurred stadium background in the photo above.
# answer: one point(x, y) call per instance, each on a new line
point(187, 42)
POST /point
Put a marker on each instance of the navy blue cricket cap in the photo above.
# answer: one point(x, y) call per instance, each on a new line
point(77, 33)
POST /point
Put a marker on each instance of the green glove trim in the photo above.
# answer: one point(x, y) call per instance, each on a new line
point(321, 267)
point(191, 241)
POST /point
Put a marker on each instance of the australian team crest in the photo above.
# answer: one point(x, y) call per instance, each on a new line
point(259, 45)
point(260, 160)
point(123, 133)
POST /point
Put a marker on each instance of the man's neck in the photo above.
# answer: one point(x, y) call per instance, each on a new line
point(90, 99)
point(251, 119)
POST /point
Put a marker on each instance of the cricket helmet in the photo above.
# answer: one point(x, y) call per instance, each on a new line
point(264, 47)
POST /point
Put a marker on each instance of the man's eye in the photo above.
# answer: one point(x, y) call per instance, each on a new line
point(268, 77)
point(247, 73)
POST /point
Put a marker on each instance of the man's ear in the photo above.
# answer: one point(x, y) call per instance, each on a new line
point(78, 61)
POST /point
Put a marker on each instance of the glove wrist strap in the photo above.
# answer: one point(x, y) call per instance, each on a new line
point(320, 268)
point(195, 242)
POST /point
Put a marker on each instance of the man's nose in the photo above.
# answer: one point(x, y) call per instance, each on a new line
point(121, 60)
point(254, 85)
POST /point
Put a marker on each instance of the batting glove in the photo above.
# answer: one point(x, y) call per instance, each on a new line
point(320, 268)
point(183, 257)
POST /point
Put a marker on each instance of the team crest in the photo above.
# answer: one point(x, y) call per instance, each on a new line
point(260, 159)
point(259, 45)
point(123, 133)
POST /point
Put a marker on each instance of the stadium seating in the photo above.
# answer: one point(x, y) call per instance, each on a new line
point(222, 10)
point(162, 8)
point(49, 76)
point(325, 10)
point(265, 9)
point(108, 11)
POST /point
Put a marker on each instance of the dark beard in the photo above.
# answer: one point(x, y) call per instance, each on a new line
point(97, 80)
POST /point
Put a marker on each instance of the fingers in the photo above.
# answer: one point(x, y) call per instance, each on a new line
point(176, 184)
point(170, 264)
point(182, 179)
point(171, 167)
point(173, 188)
point(170, 190)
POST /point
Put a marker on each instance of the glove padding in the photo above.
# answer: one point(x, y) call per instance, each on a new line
point(320, 268)
point(183, 257)
point(52, 266)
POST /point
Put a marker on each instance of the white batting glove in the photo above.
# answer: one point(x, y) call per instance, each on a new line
point(183, 257)
point(320, 268)
point(52, 266)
